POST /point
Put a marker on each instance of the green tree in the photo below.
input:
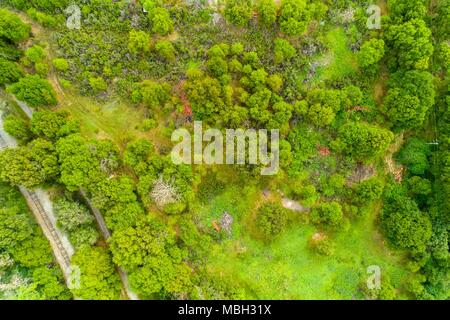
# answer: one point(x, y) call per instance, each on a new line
point(35, 53)
point(12, 28)
point(369, 190)
point(405, 226)
point(53, 125)
point(166, 50)
point(363, 141)
point(30, 165)
point(138, 41)
point(98, 277)
point(267, 12)
point(162, 23)
point(283, 50)
point(16, 127)
point(149, 253)
point(271, 220)
point(238, 12)
point(34, 90)
point(414, 155)
point(60, 64)
point(411, 94)
point(410, 44)
point(98, 84)
point(327, 214)
point(294, 17)
point(371, 52)
point(10, 72)
point(153, 94)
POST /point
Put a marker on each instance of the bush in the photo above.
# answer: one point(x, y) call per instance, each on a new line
point(34, 90)
point(61, 64)
point(327, 214)
point(271, 220)
point(9, 71)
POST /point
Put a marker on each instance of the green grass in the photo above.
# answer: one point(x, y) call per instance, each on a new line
point(286, 268)
point(340, 61)
point(116, 120)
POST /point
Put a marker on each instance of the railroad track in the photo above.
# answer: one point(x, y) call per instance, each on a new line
point(61, 253)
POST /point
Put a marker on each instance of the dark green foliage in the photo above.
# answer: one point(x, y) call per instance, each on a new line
point(405, 226)
point(414, 155)
point(411, 94)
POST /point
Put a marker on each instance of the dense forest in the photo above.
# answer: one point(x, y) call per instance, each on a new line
point(364, 121)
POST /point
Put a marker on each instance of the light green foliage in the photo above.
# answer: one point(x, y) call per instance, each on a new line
point(138, 42)
point(35, 53)
point(153, 94)
point(16, 127)
point(12, 28)
point(25, 248)
point(42, 69)
point(34, 90)
point(61, 64)
point(411, 44)
point(238, 12)
point(267, 12)
point(9, 71)
point(150, 254)
point(98, 84)
point(369, 190)
point(166, 50)
point(162, 23)
point(371, 52)
point(29, 165)
point(283, 50)
point(76, 220)
point(84, 162)
point(294, 17)
point(98, 279)
point(53, 125)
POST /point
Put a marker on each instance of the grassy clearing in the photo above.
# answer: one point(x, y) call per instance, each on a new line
point(286, 268)
point(340, 61)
